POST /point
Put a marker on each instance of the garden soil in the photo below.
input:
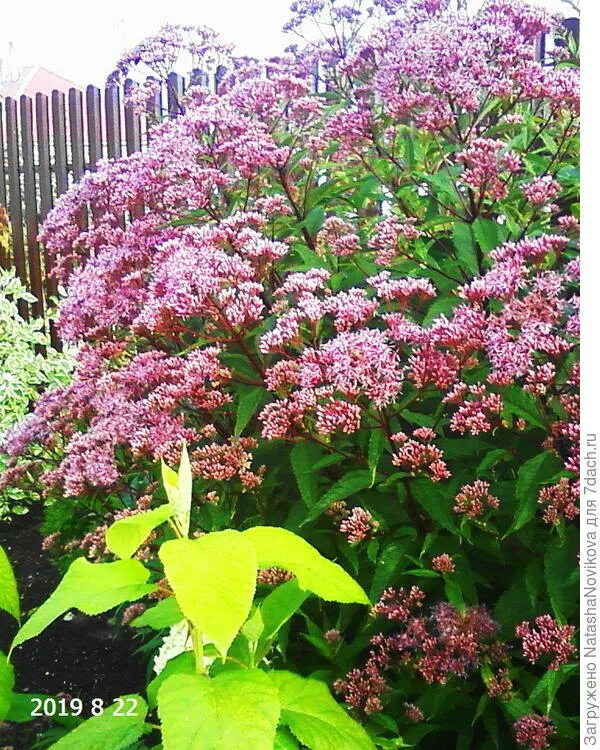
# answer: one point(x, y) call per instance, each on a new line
point(81, 656)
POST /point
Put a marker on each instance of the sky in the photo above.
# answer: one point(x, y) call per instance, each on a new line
point(82, 40)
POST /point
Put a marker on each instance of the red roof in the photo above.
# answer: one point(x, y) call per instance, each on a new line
point(34, 79)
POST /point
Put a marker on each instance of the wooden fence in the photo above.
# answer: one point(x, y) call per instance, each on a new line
point(49, 143)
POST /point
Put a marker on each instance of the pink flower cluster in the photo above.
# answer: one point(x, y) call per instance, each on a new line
point(546, 638)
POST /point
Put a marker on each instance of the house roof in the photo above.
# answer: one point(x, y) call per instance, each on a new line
point(35, 79)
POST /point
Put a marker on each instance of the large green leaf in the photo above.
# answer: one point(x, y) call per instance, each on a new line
point(281, 548)
point(178, 486)
point(559, 561)
point(9, 595)
point(7, 682)
point(125, 535)
point(314, 717)
point(91, 588)
point(118, 727)
point(529, 478)
point(214, 579)
point(237, 710)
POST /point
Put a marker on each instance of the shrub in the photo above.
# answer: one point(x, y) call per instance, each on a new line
point(358, 307)
point(24, 370)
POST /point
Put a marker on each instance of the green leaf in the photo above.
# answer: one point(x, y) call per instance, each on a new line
point(7, 683)
point(125, 536)
point(162, 615)
point(462, 237)
point(377, 442)
point(558, 563)
point(283, 549)
point(529, 478)
point(314, 221)
point(454, 594)
point(435, 502)
point(90, 587)
point(214, 579)
point(178, 486)
point(303, 457)
point(278, 607)
point(249, 401)
point(236, 710)
point(21, 707)
point(182, 664)
point(348, 485)
point(284, 740)
point(486, 234)
point(522, 404)
point(9, 595)
point(114, 729)
point(314, 717)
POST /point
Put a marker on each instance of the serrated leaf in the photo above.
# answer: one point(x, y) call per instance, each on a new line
point(281, 548)
point(91, 588)
point(314, 717)
point(7, 683)
point(522, 404)
point(213, 579)
point(486, 234)
point(529, 478)
point(161, 615)
point(126, 535)
point(277, 608)
point(348, 485)
point(435, 502)
point(303, 457)
point(462, 237)
point(377, 441)
point(248, 404)
point(285, 740)
point(184, 663)
point(9, 595)
point(114, 729)
point(558, 562)
point(236, 710)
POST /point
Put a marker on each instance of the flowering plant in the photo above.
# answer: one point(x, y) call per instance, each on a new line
point(352, 292)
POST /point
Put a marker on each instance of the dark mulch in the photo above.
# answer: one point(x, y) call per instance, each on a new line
point(84, 657)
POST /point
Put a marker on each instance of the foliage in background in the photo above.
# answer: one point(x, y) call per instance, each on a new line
point(24, 371)
point(357, 305)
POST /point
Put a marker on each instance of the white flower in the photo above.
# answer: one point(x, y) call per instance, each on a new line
point(176, 642)
point(501, 219)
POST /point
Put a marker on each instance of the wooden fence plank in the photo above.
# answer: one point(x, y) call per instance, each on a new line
point(76, 134)
point(42, 127)
point(94, 125)
point(31, 208)
point(45, 186)
point(2, 162)
point(133, 130)
point(175, 92)
point(112, 103)
point(15, 208)
point(59, 141)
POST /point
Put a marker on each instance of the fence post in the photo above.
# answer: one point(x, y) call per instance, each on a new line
point(94, 125)
point(175, 91)
point(59, 139)
point(15, 207)
point(113, 121)
point(31, 208)
point(2, 168)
